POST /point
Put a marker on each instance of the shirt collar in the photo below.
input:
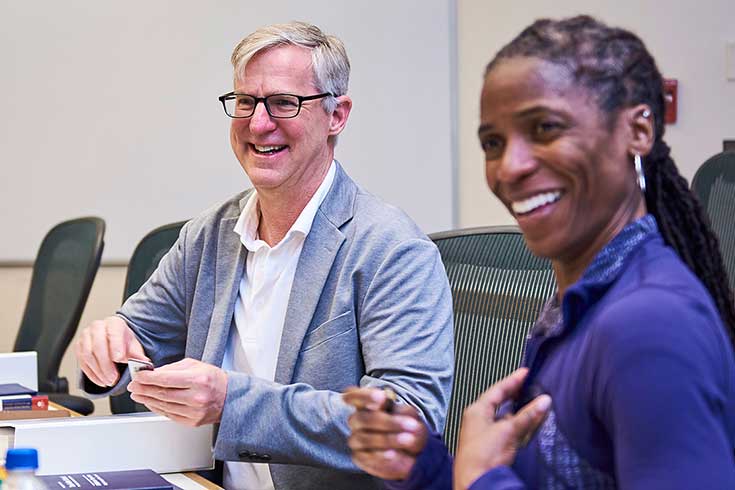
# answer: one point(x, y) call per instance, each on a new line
point(608, 263)
point(247, 224)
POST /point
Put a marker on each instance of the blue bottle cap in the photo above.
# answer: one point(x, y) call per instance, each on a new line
point(21, 459)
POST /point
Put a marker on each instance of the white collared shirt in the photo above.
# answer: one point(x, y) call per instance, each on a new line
point(260, 310)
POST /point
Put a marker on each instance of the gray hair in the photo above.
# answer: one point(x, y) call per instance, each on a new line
point(330, 64)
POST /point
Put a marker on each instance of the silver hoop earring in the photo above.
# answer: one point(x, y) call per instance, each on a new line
point(646, 113)
point(640, 176)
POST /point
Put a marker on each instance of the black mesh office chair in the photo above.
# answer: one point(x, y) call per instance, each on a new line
point(145, 259)
point(714, 185)
point(498, 288)
point(63, 272)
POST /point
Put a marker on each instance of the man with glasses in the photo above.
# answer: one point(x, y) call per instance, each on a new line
point(272, 303)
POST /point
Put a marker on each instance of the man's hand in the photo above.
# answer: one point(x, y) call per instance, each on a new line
point(188, 391)
point(486, 443)
point(383, 444)
point(102, 344)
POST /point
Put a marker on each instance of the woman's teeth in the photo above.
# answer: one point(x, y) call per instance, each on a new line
point(527, 205)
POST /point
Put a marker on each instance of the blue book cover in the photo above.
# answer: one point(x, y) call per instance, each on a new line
point(110, 480)
point(15, 389)
point(16, 402)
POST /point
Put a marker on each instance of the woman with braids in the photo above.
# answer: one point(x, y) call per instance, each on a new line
point(629, 372)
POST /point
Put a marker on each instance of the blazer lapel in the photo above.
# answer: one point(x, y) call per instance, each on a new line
point(317, 256)
point(228, 271)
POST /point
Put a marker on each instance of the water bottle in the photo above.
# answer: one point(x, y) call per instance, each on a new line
point(21, 465)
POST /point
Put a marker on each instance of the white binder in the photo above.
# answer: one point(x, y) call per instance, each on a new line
point(19, 367)
point(112, 443)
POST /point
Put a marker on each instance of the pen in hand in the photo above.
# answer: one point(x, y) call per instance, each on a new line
point(390, 400)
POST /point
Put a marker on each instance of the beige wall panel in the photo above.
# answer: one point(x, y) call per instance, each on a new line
point(687, 39)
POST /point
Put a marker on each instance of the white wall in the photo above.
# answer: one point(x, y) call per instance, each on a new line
point(110, 108)
point(686, 38)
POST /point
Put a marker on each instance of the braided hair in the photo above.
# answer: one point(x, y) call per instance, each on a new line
point(615, 67)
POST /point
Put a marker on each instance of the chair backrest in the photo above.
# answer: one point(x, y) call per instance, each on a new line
point(498, 288)
point(714, 185)
point(146, 256)
point(65, 267)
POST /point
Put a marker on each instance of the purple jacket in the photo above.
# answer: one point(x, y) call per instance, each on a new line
point(642, 378)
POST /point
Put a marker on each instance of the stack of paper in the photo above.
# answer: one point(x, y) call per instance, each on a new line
point(18, 402)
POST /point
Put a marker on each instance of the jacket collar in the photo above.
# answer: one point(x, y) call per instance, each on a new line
point(600, 275)
point(605, 269)
point(317, 256)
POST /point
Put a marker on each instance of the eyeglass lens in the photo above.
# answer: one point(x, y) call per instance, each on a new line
point(278, 105)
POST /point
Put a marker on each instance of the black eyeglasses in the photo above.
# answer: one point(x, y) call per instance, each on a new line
point(280, 106)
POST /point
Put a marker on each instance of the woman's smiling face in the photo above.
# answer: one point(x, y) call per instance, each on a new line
point(561, 166)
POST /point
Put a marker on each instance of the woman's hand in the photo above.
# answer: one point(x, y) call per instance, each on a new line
point(384, 444)
point(486, 443)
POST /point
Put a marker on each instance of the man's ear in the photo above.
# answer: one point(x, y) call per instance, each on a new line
point(340, 115)
point(642, 129)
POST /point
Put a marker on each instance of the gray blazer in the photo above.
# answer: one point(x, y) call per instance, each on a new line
point(370, 305)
